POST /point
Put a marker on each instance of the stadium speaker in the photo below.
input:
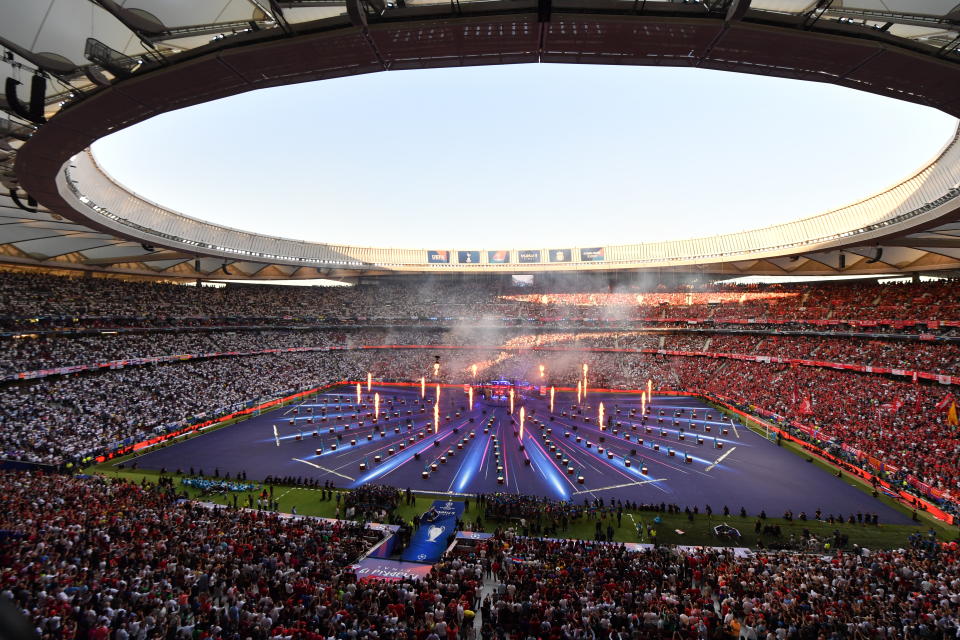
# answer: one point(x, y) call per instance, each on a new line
point(148, 247)
point(38, 96)
point(877, 256)
point(843, 261)
point(196, 264)
point(225, 270)
point(38, 90)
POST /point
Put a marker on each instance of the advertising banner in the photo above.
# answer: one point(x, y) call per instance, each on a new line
point(383, 569)
point(594, 254)
point(528, 255)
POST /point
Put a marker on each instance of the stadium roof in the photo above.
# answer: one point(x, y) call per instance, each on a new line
point(77, 70)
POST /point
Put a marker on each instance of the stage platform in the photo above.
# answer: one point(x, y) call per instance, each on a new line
point(478, 450)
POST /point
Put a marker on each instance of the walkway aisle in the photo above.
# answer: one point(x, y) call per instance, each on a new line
point(490, 587)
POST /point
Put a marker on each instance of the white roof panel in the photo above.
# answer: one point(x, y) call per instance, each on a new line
point(309, 14)
point(911, 31)
point(783, 6)
point(20, 21)
point(928, 7)
point(59, 33)
point(182, 13)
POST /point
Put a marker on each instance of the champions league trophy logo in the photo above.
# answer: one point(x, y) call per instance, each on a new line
point(434, 532)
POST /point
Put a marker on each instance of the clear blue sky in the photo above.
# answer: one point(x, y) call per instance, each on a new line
point(524, 156)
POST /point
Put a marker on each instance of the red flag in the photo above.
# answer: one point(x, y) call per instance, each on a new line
point(806, 408)
point(892, 406)
point(945, 402)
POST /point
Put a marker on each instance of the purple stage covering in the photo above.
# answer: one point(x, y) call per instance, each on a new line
point(739, 468)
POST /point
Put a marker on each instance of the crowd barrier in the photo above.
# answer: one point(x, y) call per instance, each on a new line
point(7, 464)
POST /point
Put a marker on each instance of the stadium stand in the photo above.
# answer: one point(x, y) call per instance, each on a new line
point(857, 373)
point(36, 301)
point(64, 418)
point(575, 589)
point(90, 558)
point(39, 352)
point(67, 418)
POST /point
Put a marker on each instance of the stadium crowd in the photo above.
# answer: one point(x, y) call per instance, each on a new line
point(579, 590)
point(44, 352)
point(91, 558)
point(935, 357)
point(34, 300)
point(63, 418)
point(371, 502)
point(48, 352)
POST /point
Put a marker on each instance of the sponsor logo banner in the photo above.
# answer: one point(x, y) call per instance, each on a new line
point(468, 257)
point(594, 254)
point(498, 257)
point(528, 255)
point(561, 255)
point(438, 257)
